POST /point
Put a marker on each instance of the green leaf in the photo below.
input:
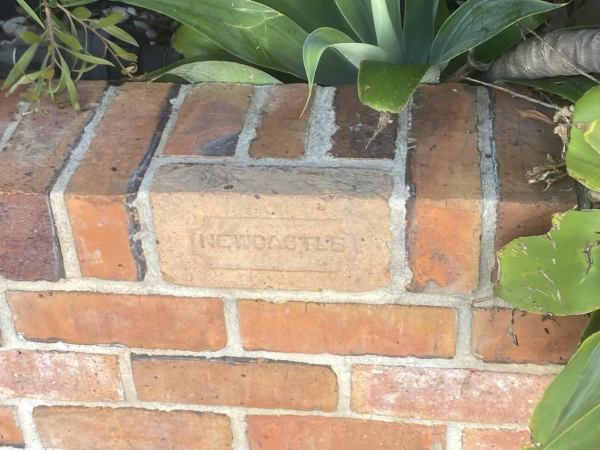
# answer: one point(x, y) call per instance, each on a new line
point(69, 39)
point(190, 43)
point(388, 87)
point(591, 134)
point(23, 4)
point(583, 162)
point(419, 20)
point(110, 20)
point(359, 14)
point(122, 53)
point(81, 13)
point(558, 273)
point(73, 3)
point(442, 14)
point(221, 72)
point(122, 35)
point(21, 66)
point(476, 21)
point(31, 38)
point(571, 88)
point(387, 38)
point(90, 59)
point(66, 76)
point(567, 417)
point(593, 327)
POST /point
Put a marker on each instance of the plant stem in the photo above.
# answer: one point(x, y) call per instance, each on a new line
point(50, 33)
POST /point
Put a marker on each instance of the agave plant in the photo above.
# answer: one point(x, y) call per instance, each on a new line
point(387, 50)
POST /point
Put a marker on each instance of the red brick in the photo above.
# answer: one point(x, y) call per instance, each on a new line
point(236, 382)
point(461, 395)
point(210, 121)
point(10, 434)
point(541, 340)
point(29, 166)
point(108, 175)
point(74, 428)
point(9, 107)
point(523, 144)
point(149, 321)
point(332, 433)
point(356, 125)
point(481, 439)
point(59, 376)
point(283, 128)
point(444, 216)
point(348, 329)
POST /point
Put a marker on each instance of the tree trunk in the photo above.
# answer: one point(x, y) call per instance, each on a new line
point(534, 59)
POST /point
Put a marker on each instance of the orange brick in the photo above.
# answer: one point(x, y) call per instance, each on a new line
point(348, 329)
point(29, 166)
point(283, 129)
point(77, 428)
point(331, 433)
point(10, 434)
point(210, 121)
point(233, 382)
point(110, 174)
point(480, 439)
point(447, 394)
point(444, 217)
point(149, 321)
point(59, 376)
point(523, 144)
point(541, 340)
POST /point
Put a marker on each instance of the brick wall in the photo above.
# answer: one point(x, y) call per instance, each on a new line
point(202, 268)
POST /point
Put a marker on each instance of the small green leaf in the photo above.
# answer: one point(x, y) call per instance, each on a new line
point(69, 39)
point(31, 38)
point(388, 87)
point(90, 59)
point(31, 13)
point(21, 66)
point(593, 327)
point(81, 13)
point(121, 53)
point(66, 76)
point(48, 74)
point(110, 20)
point(122, 35)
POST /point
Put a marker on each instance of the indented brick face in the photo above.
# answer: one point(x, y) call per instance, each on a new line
point(59, 376)
point(481, 439)
point(347, 329)
point(10, 434)
point(320, 433)
point(446, 394)
point(356, 125)
point(210, 121)
point(273, 228)
point(444, 217)
point(540, 339)
point(137, 321)
point(283, 128)
point(251, 384)
point(76, 428)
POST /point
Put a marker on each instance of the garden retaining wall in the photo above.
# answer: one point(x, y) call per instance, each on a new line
point(204, 268)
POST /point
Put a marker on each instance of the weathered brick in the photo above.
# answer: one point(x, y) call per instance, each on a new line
point(283, 228)
point(59, 376)
point(540, 339)
point(283, 128)
point(332, 433)
point(356, 125)
point(10, 434)
point(75, 428)
point(523, 144)
point(447, 394)
point(348, 329)
point(110, 174)
point(148, 321)
point(210, 121)
point(29, 166)
point(481, 439)
point(444, 215)
point(9, 107)
point(233, 382)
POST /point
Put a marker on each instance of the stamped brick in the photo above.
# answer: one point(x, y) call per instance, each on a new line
point(444, 215)
point(332, 433)
point(356, 124)
point(59, 376)
point(520, 337)
point(29, 166)
point(10, 434)
point(109, 175)
point(75, 428)
point(210, 121)
point(148, 321)
point(235, 382)
point(265, 227)
point(348, 329)
point(283, 128)
point(482, 439)
point(461, 395)
point(523, 144)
